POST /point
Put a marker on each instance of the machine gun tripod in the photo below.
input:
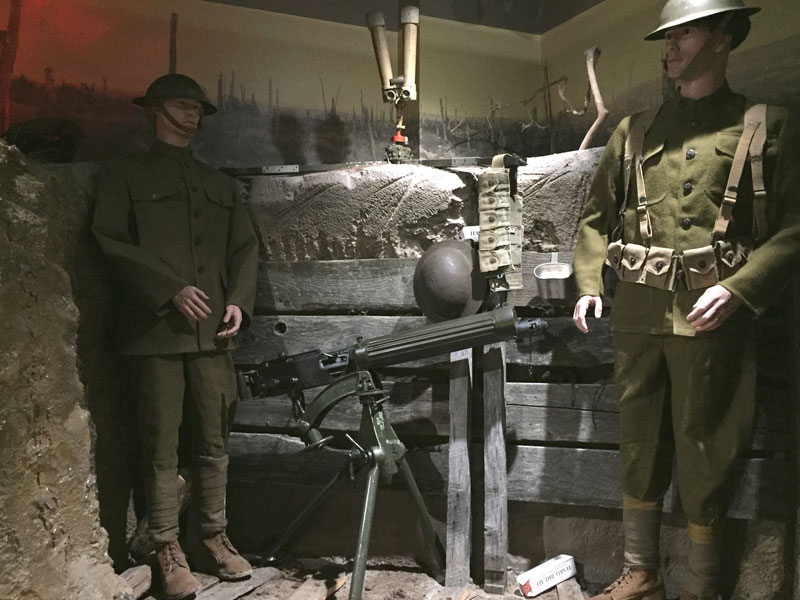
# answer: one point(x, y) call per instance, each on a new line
point(350, 372)
point(377, 445)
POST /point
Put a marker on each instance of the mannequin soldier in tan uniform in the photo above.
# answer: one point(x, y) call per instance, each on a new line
point(696, 207)
point(183, 251)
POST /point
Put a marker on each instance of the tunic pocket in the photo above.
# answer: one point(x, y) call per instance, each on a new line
point(220, 195)
point(154, 191)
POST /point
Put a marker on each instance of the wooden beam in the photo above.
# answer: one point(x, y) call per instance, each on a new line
point(495, 515)
point(546, 474)
point(459, 488)
point(373, 285)
point(564, 413)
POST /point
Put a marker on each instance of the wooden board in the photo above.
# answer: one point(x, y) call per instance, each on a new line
point(562, 344)
point(579, 476)
point(378, 286)
point(459, 488)
point(575, 414)
point(495, 491)
point(373, 285)
point(230, 590)
point(214, 589)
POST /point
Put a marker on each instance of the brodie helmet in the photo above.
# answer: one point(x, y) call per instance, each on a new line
point(175, 85)
point(447, 281)
point(678, 12)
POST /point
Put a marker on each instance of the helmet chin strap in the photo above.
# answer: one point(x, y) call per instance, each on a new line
point(180, 126)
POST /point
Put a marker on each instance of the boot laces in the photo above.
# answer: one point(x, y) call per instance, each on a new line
point(621, 580)
point(174, 556)
point(226, 543)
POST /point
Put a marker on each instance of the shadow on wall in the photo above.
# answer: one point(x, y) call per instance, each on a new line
point(290, 138)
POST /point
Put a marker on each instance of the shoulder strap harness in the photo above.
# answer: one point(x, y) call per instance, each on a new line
point(750, 149)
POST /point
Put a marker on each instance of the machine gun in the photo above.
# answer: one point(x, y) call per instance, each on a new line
point(350, 372)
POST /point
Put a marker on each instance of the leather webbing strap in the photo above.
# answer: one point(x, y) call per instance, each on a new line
point(758, 112)
point(634, 143)
point(645, 226)
point(746, 141)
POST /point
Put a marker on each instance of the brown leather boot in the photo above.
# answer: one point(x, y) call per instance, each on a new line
point(217, 556)
point(635, 584)
point(690, 596)
point(177, 581)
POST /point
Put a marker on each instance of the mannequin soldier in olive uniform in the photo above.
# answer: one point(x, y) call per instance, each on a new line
point(183, 250)
point(700, 250)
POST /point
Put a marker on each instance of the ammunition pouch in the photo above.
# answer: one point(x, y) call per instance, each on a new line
point(654, 266)
point(660, 267)
point(700, 267)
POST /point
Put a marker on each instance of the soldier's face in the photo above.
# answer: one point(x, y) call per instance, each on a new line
point(185, 111)
point(686, 46)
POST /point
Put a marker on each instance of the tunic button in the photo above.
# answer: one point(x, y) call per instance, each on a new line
point(194, 188)
point(687, 188)
point(196, 213)
point(197, 241)
point(695, 123)
point(200, 269)
point(690, 153)
point(686, 223)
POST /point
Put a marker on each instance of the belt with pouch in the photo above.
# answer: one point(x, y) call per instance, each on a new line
point(660, 268)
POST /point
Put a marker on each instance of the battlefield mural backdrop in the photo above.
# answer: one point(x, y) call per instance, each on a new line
point(295, 90)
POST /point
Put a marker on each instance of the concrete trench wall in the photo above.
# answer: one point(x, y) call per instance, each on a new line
point(65, 494)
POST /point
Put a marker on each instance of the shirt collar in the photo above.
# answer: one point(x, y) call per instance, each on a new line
point(160, 148)
point(718, 97)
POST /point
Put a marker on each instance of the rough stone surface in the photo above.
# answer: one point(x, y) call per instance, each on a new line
point(391, 211)
point(554, 189)
point(51, 541)
point(755, 559)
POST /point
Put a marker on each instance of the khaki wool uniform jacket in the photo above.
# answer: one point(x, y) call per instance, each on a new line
point(687, 155)
point(165, 220)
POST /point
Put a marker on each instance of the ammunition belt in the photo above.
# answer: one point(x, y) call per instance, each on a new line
point(661, 268)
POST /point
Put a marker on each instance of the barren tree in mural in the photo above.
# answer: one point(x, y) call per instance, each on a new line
point(9, 41)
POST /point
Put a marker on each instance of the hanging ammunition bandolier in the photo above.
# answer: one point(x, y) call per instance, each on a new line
point(500, 218)
point(707, 265)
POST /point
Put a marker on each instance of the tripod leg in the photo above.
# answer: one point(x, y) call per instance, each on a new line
point(325, 494)
point(367, 512)
point(432, 539)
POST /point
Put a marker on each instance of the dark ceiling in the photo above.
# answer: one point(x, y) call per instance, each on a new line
point(530, 16)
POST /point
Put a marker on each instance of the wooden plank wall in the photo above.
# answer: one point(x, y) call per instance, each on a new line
point(561, 424)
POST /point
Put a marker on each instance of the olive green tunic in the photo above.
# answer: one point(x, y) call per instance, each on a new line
point(687, 154)
point(166, 220)
point(684, 394)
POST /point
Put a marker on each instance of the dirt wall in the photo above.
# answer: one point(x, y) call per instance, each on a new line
point(51, 543)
